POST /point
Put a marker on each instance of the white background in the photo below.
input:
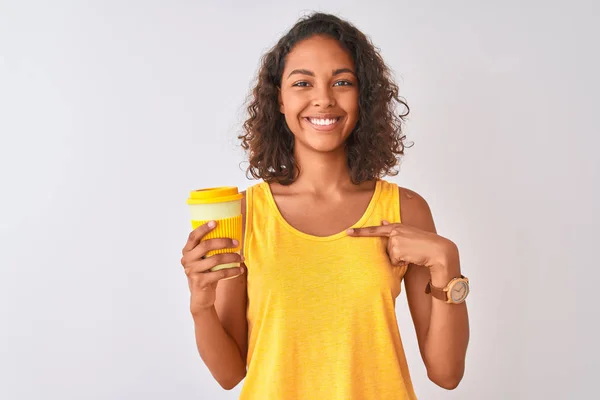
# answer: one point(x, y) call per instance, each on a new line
point(111, 111)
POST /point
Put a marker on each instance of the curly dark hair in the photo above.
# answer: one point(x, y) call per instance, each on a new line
point(377, 141)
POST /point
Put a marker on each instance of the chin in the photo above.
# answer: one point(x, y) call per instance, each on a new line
point(325, 146)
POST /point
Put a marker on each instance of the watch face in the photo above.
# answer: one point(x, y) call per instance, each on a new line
point(459, 291)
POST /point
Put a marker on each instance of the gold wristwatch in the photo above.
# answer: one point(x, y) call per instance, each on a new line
point(455, 292)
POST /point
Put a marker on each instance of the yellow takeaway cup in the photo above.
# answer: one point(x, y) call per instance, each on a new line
point(223, 205)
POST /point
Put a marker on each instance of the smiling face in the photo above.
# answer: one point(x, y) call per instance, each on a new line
point(319, 94)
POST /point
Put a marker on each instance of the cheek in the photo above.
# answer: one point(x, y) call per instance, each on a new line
point(294, 107)
point(291, 119)
point(350, 104)
point(292, 122)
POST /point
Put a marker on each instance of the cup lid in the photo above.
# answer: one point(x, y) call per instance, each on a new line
point(214, 195)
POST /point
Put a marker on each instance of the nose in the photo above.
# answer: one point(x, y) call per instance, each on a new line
point(323, 97)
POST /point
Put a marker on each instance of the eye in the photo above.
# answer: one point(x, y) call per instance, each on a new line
point(343, 83)
point(301, 84)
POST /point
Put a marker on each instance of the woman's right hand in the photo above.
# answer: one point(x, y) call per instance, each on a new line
point(203, 282)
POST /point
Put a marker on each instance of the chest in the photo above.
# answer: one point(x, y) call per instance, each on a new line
point(338, 273)
point(322, 217)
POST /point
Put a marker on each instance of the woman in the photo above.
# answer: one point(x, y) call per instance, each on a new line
point(327, 242)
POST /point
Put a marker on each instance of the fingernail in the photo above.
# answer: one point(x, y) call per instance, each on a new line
point(212, 224)
point(350, 231)
point(235, 242)
point(242, 257)
point(241, 270)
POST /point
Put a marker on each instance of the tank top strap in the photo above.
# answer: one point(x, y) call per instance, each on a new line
point(388, 204)
point(249, 216)
point(247, 224)
point(257, 211)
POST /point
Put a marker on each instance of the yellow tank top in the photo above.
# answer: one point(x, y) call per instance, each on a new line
point(321, 310)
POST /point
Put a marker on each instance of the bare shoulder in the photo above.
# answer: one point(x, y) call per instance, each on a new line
point(414, 210)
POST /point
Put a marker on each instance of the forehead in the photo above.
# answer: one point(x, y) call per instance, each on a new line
point(318, 52)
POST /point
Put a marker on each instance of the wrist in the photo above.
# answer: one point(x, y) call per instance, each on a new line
point(446, 267)
point(199, 313)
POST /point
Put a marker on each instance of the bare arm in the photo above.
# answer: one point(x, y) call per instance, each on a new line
point(442, 329)
point(218, 349)
point(221, 328)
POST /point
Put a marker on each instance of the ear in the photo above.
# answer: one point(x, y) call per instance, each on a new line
point(280, 101)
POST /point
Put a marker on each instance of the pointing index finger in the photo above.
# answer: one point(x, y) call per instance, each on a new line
point(371, 231)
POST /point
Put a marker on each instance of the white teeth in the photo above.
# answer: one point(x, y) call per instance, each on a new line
point(322, 122)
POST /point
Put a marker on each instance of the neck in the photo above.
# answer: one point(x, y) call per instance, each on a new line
point(322, 172)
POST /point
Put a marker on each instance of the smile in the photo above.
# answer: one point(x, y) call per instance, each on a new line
point(323, 124)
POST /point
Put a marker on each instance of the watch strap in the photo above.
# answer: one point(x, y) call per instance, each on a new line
point(443, 293)
point(436, 292)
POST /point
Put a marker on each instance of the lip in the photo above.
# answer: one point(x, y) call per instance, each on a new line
point(324, 116)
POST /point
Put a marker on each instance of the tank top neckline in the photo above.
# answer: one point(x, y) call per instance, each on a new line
point(363, 219)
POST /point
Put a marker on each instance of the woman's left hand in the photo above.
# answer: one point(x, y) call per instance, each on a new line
point(410, 245)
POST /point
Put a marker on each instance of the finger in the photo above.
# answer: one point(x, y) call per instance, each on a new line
point(203, 265)
point(225, 258)
point(395, 260)
point(212, 277)
point(396, 254)
point(370, 231)
point(197, 234)
point(212, 244)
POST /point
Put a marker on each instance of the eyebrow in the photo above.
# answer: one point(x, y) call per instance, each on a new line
point(310, 73)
